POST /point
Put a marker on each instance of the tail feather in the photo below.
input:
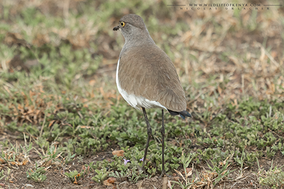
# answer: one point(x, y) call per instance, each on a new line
point(183, 114)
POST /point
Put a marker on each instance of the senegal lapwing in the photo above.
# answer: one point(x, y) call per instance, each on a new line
point(146, 77)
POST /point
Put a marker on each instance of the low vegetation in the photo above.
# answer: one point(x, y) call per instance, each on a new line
point(63, 123)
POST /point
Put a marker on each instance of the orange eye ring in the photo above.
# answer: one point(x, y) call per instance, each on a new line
point(122, 24)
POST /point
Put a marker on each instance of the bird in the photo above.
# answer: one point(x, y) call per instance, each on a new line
point(146, 77)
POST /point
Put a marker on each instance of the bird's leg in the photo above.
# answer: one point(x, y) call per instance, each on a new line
point(163, 145)
point(149, 132)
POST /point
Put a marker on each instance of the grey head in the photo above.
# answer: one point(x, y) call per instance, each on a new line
point(134, 31)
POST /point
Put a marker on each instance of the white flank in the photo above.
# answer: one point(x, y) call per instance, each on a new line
point(136, 101)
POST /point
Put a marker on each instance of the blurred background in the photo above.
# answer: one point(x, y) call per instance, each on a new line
point(70, 41)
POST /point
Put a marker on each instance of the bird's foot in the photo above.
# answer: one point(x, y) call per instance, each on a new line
point(142, 169)
point(163, 174)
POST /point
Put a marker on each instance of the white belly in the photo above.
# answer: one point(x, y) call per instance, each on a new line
point(136, 101)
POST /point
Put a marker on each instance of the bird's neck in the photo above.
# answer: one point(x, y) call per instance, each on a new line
point(137, 40)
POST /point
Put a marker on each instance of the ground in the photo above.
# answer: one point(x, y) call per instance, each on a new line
point(63, 123)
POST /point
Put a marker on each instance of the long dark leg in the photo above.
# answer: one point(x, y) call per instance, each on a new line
point(163, 144)
point(149, 132)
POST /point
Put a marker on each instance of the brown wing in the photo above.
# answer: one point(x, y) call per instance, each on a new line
point(149, 72)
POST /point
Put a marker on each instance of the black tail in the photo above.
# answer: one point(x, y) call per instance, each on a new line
point(182, 114)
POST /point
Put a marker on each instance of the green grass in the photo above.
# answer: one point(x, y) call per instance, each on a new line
point(37, 175)
point(58, 94)
point(272, 177)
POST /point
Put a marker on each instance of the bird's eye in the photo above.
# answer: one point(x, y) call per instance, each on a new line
point(122, 24)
